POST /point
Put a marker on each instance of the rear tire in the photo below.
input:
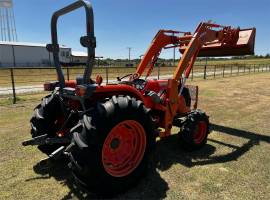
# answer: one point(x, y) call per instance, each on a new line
point(113, 146)
point(194, 131)
point(44, 119)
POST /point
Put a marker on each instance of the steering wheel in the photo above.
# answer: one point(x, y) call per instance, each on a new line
point(139, 83)
point(120, 78)
point(134, 81)
point(131, 77)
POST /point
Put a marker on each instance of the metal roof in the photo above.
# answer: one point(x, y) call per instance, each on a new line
point(78, 54)
point(28, 44)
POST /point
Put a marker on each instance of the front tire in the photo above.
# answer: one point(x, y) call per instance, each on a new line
point(194, 131)
point(114, 142)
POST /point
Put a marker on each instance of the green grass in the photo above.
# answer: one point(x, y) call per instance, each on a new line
point(233, 165)
point(22, 98)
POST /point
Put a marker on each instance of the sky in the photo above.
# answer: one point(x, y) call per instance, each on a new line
point(133, 23)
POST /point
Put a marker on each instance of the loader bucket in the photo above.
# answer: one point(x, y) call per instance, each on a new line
point(245, 46)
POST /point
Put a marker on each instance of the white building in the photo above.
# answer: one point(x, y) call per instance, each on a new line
point(78, 57)
point(22, 54)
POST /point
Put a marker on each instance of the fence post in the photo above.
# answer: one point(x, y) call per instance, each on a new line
point(192, 73)
point(13, 85)
point(238, 70)
point(12, 76)
point(215, 71)
point(67, 73)
point(223, 74)
point(107, 75)
point(244, 69)
point(231, 69)
point(254, 68)
point(204, 75)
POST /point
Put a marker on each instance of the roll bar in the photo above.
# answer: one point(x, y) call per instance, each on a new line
point(88, 41)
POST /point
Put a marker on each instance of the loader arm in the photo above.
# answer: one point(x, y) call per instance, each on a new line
point(211, 39)
point(205, 34)
point(207, 40)
point(160, 41)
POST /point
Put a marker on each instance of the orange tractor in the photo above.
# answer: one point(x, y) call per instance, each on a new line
point(108, 131)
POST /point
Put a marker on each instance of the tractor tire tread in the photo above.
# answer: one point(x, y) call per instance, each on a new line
point(94, 128)
point(188, 127)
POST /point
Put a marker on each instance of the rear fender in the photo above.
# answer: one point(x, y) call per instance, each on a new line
point(102, 92)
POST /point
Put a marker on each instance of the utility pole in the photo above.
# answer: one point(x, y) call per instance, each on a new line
point(173, 55)
point(129, 53)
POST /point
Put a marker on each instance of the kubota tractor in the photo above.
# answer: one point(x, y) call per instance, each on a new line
point(108, 131)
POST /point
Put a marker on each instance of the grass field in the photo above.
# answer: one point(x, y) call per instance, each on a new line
point(233, 165)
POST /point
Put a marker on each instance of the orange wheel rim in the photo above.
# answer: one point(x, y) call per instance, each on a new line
point(200, 132)
point(124, 148)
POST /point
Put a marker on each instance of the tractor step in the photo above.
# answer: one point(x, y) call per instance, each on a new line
point(44, 139)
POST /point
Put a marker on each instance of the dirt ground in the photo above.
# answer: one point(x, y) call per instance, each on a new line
point(233, 165)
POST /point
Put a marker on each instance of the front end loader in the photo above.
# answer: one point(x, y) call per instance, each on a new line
point(109, 131)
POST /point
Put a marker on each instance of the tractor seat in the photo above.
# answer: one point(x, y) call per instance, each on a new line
point(157, 98)
point(79, 80)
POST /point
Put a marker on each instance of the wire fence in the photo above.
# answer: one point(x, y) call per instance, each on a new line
point(17, 83)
